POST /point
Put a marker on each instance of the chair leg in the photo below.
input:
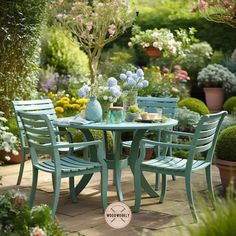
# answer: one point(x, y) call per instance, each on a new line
point(209, 183)
point(57, 185)
point(158, 183)
point(190, 197)
point(104, 183)
point(137, 189)
point(34, 186)
point(163, 188)
point(22, 165)
point(72, 189)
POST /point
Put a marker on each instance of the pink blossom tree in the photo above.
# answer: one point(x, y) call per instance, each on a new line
point(220, 11)
point(94, 24)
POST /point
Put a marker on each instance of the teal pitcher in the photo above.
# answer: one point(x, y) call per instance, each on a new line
point(93, 111)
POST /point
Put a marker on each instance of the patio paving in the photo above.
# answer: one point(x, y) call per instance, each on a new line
point(86, 217)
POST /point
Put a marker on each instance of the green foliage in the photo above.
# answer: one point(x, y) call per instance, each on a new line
point(217, 57)
point(97, 134)
point(230, 105)
point(195, 58)
point(217, 222)
point(226, 144)
point(21, 22)
point(62, 53)
point(134, 109)
point(194, 104)
point(187, 119)
point(116, 60)
point(17, 218)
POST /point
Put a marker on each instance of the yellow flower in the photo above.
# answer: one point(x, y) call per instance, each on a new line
point(59, 109)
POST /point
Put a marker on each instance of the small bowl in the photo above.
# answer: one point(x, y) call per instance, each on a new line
point(153, 116)
point(144, 116)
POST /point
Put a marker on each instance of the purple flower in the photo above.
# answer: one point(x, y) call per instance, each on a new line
point(140, 72)
point(111, 82)
point(140, 85)
point(115, 91)
point(131, 82)
point(123, 76)
point(135, 77)
point(129, 73)
point(82, 93)
point(145, 83)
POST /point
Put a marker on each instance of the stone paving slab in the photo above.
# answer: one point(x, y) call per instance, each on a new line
point(86, 216)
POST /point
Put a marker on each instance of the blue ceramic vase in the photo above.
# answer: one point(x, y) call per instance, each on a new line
point(93, 111)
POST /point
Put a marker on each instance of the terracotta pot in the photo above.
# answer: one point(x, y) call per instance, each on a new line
point(148, 155)
point(152, 52)
point(227, 171)
point(15, 159)
point(214, 98)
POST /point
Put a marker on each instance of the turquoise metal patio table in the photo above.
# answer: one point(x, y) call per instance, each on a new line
point(138, 128)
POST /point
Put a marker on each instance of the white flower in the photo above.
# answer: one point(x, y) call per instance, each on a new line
point(7, 158)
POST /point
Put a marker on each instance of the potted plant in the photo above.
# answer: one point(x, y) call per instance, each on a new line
point(132, 113)
point(9, 152)
point(215, 79)
point(17, 218)
point(155, 41)
point(225, 153)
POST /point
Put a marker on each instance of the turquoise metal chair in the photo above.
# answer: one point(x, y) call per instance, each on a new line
point(149, 104)
point(43, 106)
point(41, 137)
point(202, 140)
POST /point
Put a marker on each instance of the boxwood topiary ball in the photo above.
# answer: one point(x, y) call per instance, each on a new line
point(230, 105)
point(226, 144)
point(194, 104)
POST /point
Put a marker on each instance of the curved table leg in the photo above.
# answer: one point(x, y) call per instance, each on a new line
point(134, 154)
point(86, 178)
point(117, 164)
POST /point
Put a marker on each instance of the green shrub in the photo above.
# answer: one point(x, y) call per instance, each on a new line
point(61, 52)
point(195, 58)
point(194, 104)
point(226, 144)
point(230, 105)
point(21, 23)
point(187, 119)
point(97, 134)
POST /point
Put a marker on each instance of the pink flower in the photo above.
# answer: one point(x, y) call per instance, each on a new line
point(38, 232)
point(111, 29)
point(165, 70)
point(202, 4)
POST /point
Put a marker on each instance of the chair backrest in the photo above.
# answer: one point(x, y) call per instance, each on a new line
point(205, 136)
point(43, 106)
point(40, 135)
point(167, 104)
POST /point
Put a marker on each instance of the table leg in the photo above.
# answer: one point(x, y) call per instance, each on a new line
point(117, 164)
point(134, 154)
point(86, 178)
